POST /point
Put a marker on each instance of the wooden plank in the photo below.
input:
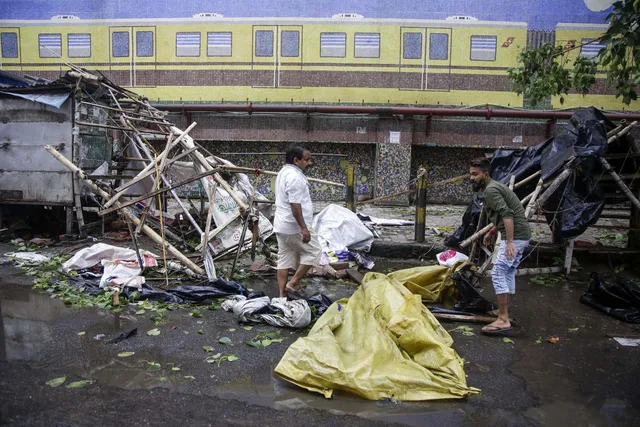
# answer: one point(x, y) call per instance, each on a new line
point(355, 275)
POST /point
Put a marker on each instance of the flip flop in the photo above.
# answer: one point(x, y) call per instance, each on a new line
point(498, 331)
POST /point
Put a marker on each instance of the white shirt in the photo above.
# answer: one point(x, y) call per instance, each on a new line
point(291, 187)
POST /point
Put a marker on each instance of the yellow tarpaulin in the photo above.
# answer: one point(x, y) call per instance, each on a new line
point(380, 343)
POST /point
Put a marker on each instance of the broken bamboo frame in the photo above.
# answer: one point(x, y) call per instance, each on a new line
point(159, 191)
point(125, 211)
point(222, 226)
point(204, 164)
point(402, 193)
point(607, 167)
point(147, 171)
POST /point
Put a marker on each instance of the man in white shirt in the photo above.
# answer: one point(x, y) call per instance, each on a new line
point(298, 245)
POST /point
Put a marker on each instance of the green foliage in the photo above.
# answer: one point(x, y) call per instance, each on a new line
point(545, 71)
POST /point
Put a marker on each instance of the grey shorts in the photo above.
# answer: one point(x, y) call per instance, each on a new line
point(504, 270)
point(292, 252)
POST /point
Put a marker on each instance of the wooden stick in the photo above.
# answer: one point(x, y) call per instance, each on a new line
point(607, 167)
point(616, 130)
point(527, 179)
point(158, 191)
point(207, 225)
point(512, 182)
point(622, 133)
point(463, 318)
point(555, 184)
point(125, 211)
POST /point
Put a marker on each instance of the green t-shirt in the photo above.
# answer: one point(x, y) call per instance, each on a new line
point(501, 202)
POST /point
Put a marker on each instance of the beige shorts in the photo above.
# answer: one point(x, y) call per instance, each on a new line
point(292, 252)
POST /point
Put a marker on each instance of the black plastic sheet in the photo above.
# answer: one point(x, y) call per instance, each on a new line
point(620, 300)
point(469, 300)
point(575, 205)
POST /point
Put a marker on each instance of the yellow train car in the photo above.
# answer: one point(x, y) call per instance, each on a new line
point(599, 96)
point(349, 60)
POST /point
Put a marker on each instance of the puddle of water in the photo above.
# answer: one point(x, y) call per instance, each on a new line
point(268, 389)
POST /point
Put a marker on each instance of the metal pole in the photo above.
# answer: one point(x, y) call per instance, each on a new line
point(351, 188)
point(421, 205)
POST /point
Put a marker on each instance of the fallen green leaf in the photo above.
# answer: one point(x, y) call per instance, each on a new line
point(163, 379)
point(56, 382)
point(141, 311)
point(126, 353)
point(82, 333)
point(189, 377)
point(195, 313)
point(273, 334)
point(152, 366)
point(539, 340)
point(232, 358)
point(78, 384)
point(573, 329)
point(232, 330)
point(248, 328)
point(265, 343)
point(207, 348)
point(175, 368)
point(201, 331)
point(224, 340)
point(508, 340)
point(153, 332)
point(186, 332)
point(217, 355)
point(254, 343)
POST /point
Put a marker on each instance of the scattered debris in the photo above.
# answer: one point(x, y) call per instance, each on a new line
point(628, 342)
point(126, 354)
point(56, 382)
point(554, 340)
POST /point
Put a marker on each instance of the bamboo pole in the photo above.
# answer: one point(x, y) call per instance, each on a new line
point(526, 180)
point(568, 256)
point(125, 211)
point(534, 195)
point(218, 229)
point(555, 184)
point(530, 271)
point(266, 172)
point(607, 167)
point(616, 129)
point(622, 133)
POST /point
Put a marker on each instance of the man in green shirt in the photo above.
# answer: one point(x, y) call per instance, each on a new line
point(505, 211)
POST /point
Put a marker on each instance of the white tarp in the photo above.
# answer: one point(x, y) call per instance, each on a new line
point(295, 314)
point(340, 229)
point(117, 262)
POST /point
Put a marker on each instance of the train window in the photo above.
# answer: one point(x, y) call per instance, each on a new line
point(50, 45)
point(9, 43)
point(79, 45)
point(120, 44)
point(483, 48)
point(333, 45)
point(412, 45)
point(144, 44)
point(590, 50)
point(187, 44)
point(439, 46)
point(290, 45)
point(218, 44)
point(264, 43)
point(367, 45)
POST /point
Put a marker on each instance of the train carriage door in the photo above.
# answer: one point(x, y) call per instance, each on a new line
point(10, 58)
point(289, 66)
point(132, 52)
point(144, 56)
point(412, 61)
point(265, 56)
point(121, 56)
point(437, 73)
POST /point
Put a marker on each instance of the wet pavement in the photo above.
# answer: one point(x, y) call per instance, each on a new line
point(585, 379)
